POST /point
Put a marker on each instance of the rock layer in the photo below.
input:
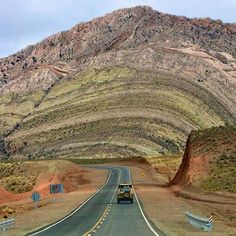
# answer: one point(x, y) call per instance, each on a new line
point(134, 82)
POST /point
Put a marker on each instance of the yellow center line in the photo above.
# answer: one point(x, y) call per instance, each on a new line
point(105, 213)
point(98, 222)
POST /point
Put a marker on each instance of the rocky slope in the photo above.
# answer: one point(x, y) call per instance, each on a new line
point(209, 161)
point(134, 82)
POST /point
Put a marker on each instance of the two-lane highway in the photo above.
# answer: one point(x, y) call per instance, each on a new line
point(101, 215)
point(124, 218)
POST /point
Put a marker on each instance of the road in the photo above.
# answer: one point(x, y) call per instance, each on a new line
point(102, 216)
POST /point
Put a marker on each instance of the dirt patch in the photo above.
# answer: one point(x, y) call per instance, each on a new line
point(163, 170)
point(73, 179)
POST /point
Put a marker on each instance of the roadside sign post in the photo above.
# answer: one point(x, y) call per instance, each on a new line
point(35, 197)
point(56, 189)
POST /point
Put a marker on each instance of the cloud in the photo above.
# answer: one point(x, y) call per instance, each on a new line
point(28, 21)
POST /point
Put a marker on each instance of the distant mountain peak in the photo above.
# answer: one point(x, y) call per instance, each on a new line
point(120, 30)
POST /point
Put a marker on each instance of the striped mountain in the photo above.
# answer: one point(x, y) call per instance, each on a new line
point(132, 83)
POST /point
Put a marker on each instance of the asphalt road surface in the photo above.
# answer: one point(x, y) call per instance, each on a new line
point(102, 216)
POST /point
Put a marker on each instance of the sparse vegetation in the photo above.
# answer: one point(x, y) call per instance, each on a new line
point(5, 212)
point(170, 161)
point(124, 122)
point(95, 161)
point(221, 175)
point(153, 91)
point(15, 177)
point(219, 145)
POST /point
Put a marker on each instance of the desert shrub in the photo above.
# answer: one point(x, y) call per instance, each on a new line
point(221, 177)
point(12, 168)
point(15, 177)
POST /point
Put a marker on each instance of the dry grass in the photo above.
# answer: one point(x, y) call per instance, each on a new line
point(222, 175)
point(170, 161)
point(5, 212)
point(219, 144)
point(166, 166)
point(15, 177)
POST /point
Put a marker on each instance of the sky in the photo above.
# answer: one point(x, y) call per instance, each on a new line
point(24, 22)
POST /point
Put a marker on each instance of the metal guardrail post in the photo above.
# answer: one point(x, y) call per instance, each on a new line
point(198, 222)
point(7, 224)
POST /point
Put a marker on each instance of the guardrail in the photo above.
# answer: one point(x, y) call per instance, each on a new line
point(6, 224)
point(199, 222)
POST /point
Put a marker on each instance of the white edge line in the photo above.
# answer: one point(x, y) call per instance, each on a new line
point(141, 210)
point(77, 209)
point(110, 204)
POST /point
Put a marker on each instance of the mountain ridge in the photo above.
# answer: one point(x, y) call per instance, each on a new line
point(120, 29)
point(132, 83)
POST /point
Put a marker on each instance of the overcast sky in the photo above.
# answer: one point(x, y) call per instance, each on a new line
point(23, 22)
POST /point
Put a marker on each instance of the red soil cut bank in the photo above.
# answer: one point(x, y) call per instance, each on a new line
point(181, 176)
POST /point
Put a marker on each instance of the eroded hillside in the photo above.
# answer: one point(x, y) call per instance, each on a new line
point(132, 83)
point(209, 161)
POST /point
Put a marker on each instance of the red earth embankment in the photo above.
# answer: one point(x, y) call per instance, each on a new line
point(71, 175)
point(209, 160)
point(181, 175)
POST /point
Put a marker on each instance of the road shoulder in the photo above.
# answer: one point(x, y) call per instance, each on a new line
point(52, 209)
point(166, 210)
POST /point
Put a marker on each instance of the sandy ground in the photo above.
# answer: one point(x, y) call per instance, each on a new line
point(79, 184)
point(167, 210)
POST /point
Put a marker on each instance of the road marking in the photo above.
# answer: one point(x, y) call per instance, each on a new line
point(77, 209)
point(141, 210)
point(97, 224)
point(106, 212)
